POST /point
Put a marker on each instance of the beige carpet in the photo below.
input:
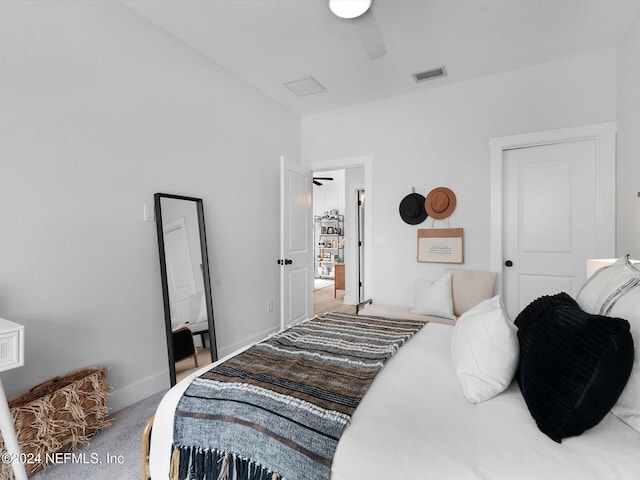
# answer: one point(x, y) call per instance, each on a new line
point(113, 454)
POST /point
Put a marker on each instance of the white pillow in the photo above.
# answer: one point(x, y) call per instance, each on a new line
point(603, 283)
point(614, 291)
point(434, 298)
point(627, 408)
point(485, 350)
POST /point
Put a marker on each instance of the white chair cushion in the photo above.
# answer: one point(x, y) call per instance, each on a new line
point(470, 287)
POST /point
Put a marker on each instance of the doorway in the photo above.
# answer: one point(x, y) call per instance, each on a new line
point(340, 234)
point(330, 218)
point(552, 208)
point(362, 168)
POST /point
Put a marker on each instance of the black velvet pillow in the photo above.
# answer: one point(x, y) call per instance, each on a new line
point(573, 365)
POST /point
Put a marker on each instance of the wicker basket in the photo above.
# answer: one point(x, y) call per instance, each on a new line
point(57, 416)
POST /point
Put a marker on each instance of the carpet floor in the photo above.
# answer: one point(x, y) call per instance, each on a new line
point(113, 454)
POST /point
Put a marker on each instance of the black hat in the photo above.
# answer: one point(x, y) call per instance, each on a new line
point(412, 209)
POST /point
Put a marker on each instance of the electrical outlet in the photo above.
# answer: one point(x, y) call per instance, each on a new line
point(269, 305)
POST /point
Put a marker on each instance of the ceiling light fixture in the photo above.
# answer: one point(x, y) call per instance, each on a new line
point(349, 8)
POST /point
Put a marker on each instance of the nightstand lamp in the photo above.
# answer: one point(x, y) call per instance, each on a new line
point(11, 356)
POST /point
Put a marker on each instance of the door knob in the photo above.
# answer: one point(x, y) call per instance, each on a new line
point(508, 263)
point(288, 261)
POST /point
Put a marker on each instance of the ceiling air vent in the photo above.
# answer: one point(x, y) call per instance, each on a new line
point(429, 74)
point(305, 86)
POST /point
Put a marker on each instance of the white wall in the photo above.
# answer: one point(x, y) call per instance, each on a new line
point(628, 174)
point(329, 195)
point(439, 136)
point(99, 110)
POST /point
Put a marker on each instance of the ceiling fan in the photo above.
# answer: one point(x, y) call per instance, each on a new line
point(316, 182)
point(359, 13)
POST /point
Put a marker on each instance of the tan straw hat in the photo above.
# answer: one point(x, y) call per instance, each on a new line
point(440, 203)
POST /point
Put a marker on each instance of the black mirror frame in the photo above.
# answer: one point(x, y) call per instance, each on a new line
point(165, 286)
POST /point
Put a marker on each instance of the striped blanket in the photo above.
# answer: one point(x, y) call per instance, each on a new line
point(277, 410)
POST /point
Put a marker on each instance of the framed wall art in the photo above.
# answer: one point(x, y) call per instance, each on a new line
point(440, 245)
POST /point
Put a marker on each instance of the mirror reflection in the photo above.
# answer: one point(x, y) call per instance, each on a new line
point(186, 286)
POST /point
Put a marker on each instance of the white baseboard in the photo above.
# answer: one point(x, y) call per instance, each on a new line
point(122, 397)
point(227, 350)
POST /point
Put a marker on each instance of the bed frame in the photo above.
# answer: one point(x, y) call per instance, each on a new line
point(146, 447)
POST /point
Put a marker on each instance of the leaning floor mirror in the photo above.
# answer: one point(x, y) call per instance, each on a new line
point(186, 286)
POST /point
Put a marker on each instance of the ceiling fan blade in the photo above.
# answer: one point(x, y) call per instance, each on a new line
point(369, 33)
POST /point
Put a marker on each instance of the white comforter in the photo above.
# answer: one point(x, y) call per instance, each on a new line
point(414, 423)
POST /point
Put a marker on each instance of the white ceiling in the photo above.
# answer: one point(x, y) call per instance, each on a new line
point(270, 42)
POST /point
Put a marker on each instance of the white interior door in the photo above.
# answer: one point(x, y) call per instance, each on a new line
point(296, 243)
point(550, 225)
point(180, 278)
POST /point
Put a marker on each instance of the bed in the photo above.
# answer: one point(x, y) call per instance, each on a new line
point(415, 422)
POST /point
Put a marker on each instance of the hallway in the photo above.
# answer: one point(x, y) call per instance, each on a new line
point(324, 301)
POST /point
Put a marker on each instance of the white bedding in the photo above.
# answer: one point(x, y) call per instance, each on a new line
point(414, 423)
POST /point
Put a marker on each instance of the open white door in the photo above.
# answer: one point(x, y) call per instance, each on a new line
point(296, 243)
